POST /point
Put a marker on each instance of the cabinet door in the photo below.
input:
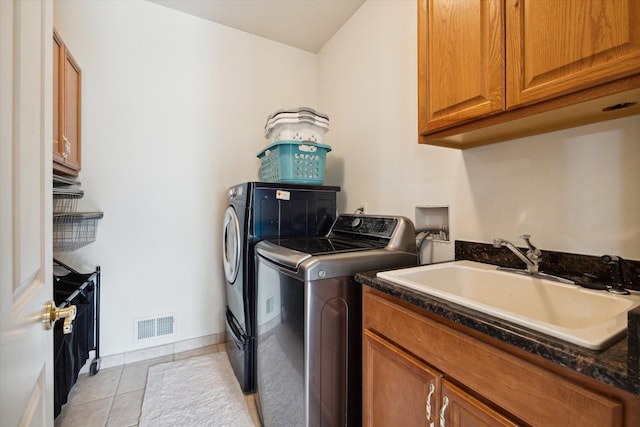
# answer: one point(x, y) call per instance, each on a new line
point(71, 116)
point(398, 390)
point(66, 109)
point(560, 47)
point(460, 409)
point(460, 61)
point(58, 59)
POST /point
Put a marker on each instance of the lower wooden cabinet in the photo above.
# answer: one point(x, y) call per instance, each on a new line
point(398, 389)
point(401, 390)
point(459, 408)
point(418, 371)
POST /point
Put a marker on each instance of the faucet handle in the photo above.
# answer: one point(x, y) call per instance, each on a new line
point(534, 253)
point(610, 259)
point(617, 287)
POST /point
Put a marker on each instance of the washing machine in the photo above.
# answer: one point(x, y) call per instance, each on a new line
point(310, 318)
point(257, 211)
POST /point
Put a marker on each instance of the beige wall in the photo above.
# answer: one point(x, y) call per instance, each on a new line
point(173, 114)
point(575, 190)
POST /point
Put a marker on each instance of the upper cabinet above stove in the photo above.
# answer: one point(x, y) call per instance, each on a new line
point(494, 70)
point(66, 110)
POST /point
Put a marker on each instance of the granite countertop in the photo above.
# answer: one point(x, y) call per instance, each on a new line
point(612, 366)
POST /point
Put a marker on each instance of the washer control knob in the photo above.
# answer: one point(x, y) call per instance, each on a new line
point(357, 223)
point(233, 192)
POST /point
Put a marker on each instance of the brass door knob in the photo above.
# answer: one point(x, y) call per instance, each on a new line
point(51, 314)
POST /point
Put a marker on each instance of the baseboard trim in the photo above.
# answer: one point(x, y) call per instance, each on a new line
point(206, 344)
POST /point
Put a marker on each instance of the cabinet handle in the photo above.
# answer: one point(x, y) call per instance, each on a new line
point(432, 389)
point(67, 147)
point(445, 403)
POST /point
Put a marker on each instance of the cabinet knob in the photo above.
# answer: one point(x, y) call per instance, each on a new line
point(67, 147)
point(428, 411)
point(445, 403)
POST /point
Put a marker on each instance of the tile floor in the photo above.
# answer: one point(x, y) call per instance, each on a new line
point(113, 397)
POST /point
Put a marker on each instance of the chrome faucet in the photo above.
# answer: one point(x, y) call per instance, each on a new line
point(531, 258)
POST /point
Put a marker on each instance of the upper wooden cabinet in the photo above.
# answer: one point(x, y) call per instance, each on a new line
point(461, 57)
point(559, 47)
point(491, 70)
point(66, 110)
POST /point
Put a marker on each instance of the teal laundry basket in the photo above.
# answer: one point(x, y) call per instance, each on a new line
point(294, 162)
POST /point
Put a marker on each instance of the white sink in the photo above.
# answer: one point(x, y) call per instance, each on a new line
point(588, 318)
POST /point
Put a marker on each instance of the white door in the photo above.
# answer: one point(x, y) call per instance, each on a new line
point(26, 96)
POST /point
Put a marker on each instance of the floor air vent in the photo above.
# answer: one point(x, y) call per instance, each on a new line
point(151, 327)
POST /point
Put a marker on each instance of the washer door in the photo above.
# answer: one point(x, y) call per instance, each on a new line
point(231, 245)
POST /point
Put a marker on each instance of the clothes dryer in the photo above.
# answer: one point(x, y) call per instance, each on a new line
point(257, 211)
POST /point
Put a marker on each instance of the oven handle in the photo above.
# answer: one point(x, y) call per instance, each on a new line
point(239, 339)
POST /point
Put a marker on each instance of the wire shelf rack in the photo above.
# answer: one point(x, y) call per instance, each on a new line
point(72, 231)
point(66, 200)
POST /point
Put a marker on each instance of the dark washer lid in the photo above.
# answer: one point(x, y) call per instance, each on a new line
point(294, 251)
point(325, 245)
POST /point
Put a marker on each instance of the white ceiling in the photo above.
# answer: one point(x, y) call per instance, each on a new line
point(305, 24)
